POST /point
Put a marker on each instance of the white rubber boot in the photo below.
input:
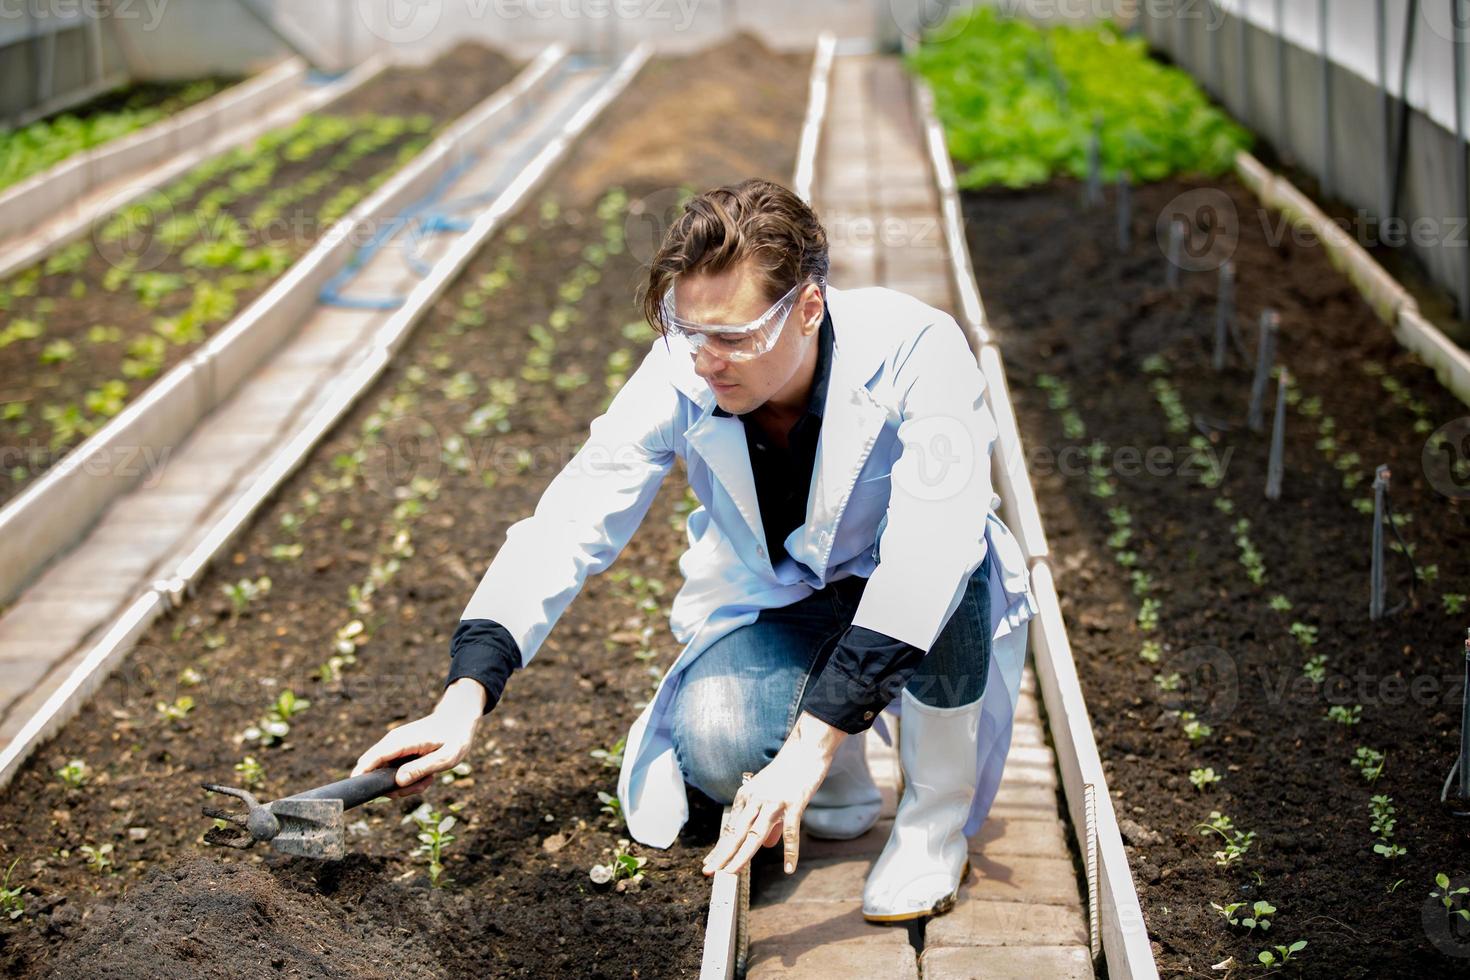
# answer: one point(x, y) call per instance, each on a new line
point(847, 803)
point(927, 855)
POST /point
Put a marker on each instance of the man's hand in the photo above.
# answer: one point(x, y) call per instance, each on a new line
point(769, 806)
point(441, 739)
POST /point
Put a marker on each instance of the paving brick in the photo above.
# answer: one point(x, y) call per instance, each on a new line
point(817, 880)
point(1009, 836)
point(1017, 878)
point(850, 962)
point(1007, 963)
point(867, 846)
point(798, 926)
point(974, 922)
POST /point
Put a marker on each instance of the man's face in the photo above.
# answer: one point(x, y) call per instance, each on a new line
point(735, 296)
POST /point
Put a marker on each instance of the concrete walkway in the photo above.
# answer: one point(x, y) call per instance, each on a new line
point(146, 533)
point(1020, 913)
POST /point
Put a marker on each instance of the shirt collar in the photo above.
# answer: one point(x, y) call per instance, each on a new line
point(817, 401)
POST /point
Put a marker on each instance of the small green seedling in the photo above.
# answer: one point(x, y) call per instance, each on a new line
point(1283, 954)
point(1383, 823)
point(1344, 715)
point(1169, 682)
point(623, 867)
point(177, 711)
point(1148, 615)
point(1194, 729)
point(1446, 895)
point(75, 773)
point(276, 724)
point(457, 772)
point(1280, 603)
point(610, 805)
point(1237, 842)
point(1454, 603)
point(1203, 779)
point(434, 835)
point(252, 773)
point(98, 857)
point(1315, 669)
point(244, 592)
point(612, 756)
point(1305, 635)
point(1368, 762)
point(1150, 651)
point(1255, 917)
point(13, 906)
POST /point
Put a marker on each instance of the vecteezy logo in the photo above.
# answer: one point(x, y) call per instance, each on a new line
point(403, 449)
point(931, 20)
point(1212, 228)
point(400, 21)
point(127, 232)
point(938, 459)
point(1446, 458)
point(648, 219)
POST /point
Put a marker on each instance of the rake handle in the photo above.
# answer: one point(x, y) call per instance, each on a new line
point(356, 790)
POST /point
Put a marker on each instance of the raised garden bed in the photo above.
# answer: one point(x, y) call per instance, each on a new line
point(369, 565)
point(87, 330)
point(32, 148)
point(1186, 591)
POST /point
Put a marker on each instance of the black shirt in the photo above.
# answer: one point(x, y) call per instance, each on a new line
point(866, 669)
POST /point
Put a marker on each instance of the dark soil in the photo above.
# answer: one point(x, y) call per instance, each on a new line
point(69, 302)
point(1065, 302)
point(520, 902)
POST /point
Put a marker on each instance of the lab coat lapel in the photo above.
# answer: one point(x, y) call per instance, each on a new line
point(720, 442)
point(851, 422)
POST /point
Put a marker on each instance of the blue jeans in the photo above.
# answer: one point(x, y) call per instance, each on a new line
point(740, 698)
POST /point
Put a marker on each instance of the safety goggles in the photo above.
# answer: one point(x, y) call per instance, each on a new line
point(734, 341)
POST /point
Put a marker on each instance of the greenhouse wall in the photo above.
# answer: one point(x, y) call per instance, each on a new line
point(1324, 83)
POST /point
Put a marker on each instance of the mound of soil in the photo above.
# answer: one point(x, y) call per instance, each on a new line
point(206, 919)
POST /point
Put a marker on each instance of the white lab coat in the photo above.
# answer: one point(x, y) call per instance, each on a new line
point(902, 474)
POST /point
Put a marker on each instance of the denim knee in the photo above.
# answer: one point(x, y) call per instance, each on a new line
point(713, 755)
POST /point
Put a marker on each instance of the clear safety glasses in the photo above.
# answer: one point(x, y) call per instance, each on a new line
point(735, 341)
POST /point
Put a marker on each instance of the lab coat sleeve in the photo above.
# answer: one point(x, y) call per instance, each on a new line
point(588, 512)
point(934, 537)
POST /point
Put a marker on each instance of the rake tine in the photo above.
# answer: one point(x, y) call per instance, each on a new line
point(227, 816)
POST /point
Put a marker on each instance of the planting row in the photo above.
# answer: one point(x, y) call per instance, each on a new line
point(90, 327)
point(330, 621)
point(31, 149)
point(1278, 754)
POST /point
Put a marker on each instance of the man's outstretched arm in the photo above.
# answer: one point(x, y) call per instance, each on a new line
point(582, 522)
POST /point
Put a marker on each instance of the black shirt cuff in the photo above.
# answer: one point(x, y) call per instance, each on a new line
point(866, 671)
point(484, 650)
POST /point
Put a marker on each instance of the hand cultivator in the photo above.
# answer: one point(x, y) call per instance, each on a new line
point(308, 824)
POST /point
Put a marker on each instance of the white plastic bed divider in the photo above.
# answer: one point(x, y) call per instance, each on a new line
point(59, 507)
point(48, 201)
point(166, 592)
point(41, 196)
point(1389, 299)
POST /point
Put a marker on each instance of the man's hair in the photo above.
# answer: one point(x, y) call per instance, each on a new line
point(755, 219)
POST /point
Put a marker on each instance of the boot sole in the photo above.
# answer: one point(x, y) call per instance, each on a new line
point(938, 908)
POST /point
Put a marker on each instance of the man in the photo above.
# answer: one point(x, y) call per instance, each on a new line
point(845, 558)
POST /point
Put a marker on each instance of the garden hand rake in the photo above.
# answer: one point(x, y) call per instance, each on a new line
point(308, 824)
